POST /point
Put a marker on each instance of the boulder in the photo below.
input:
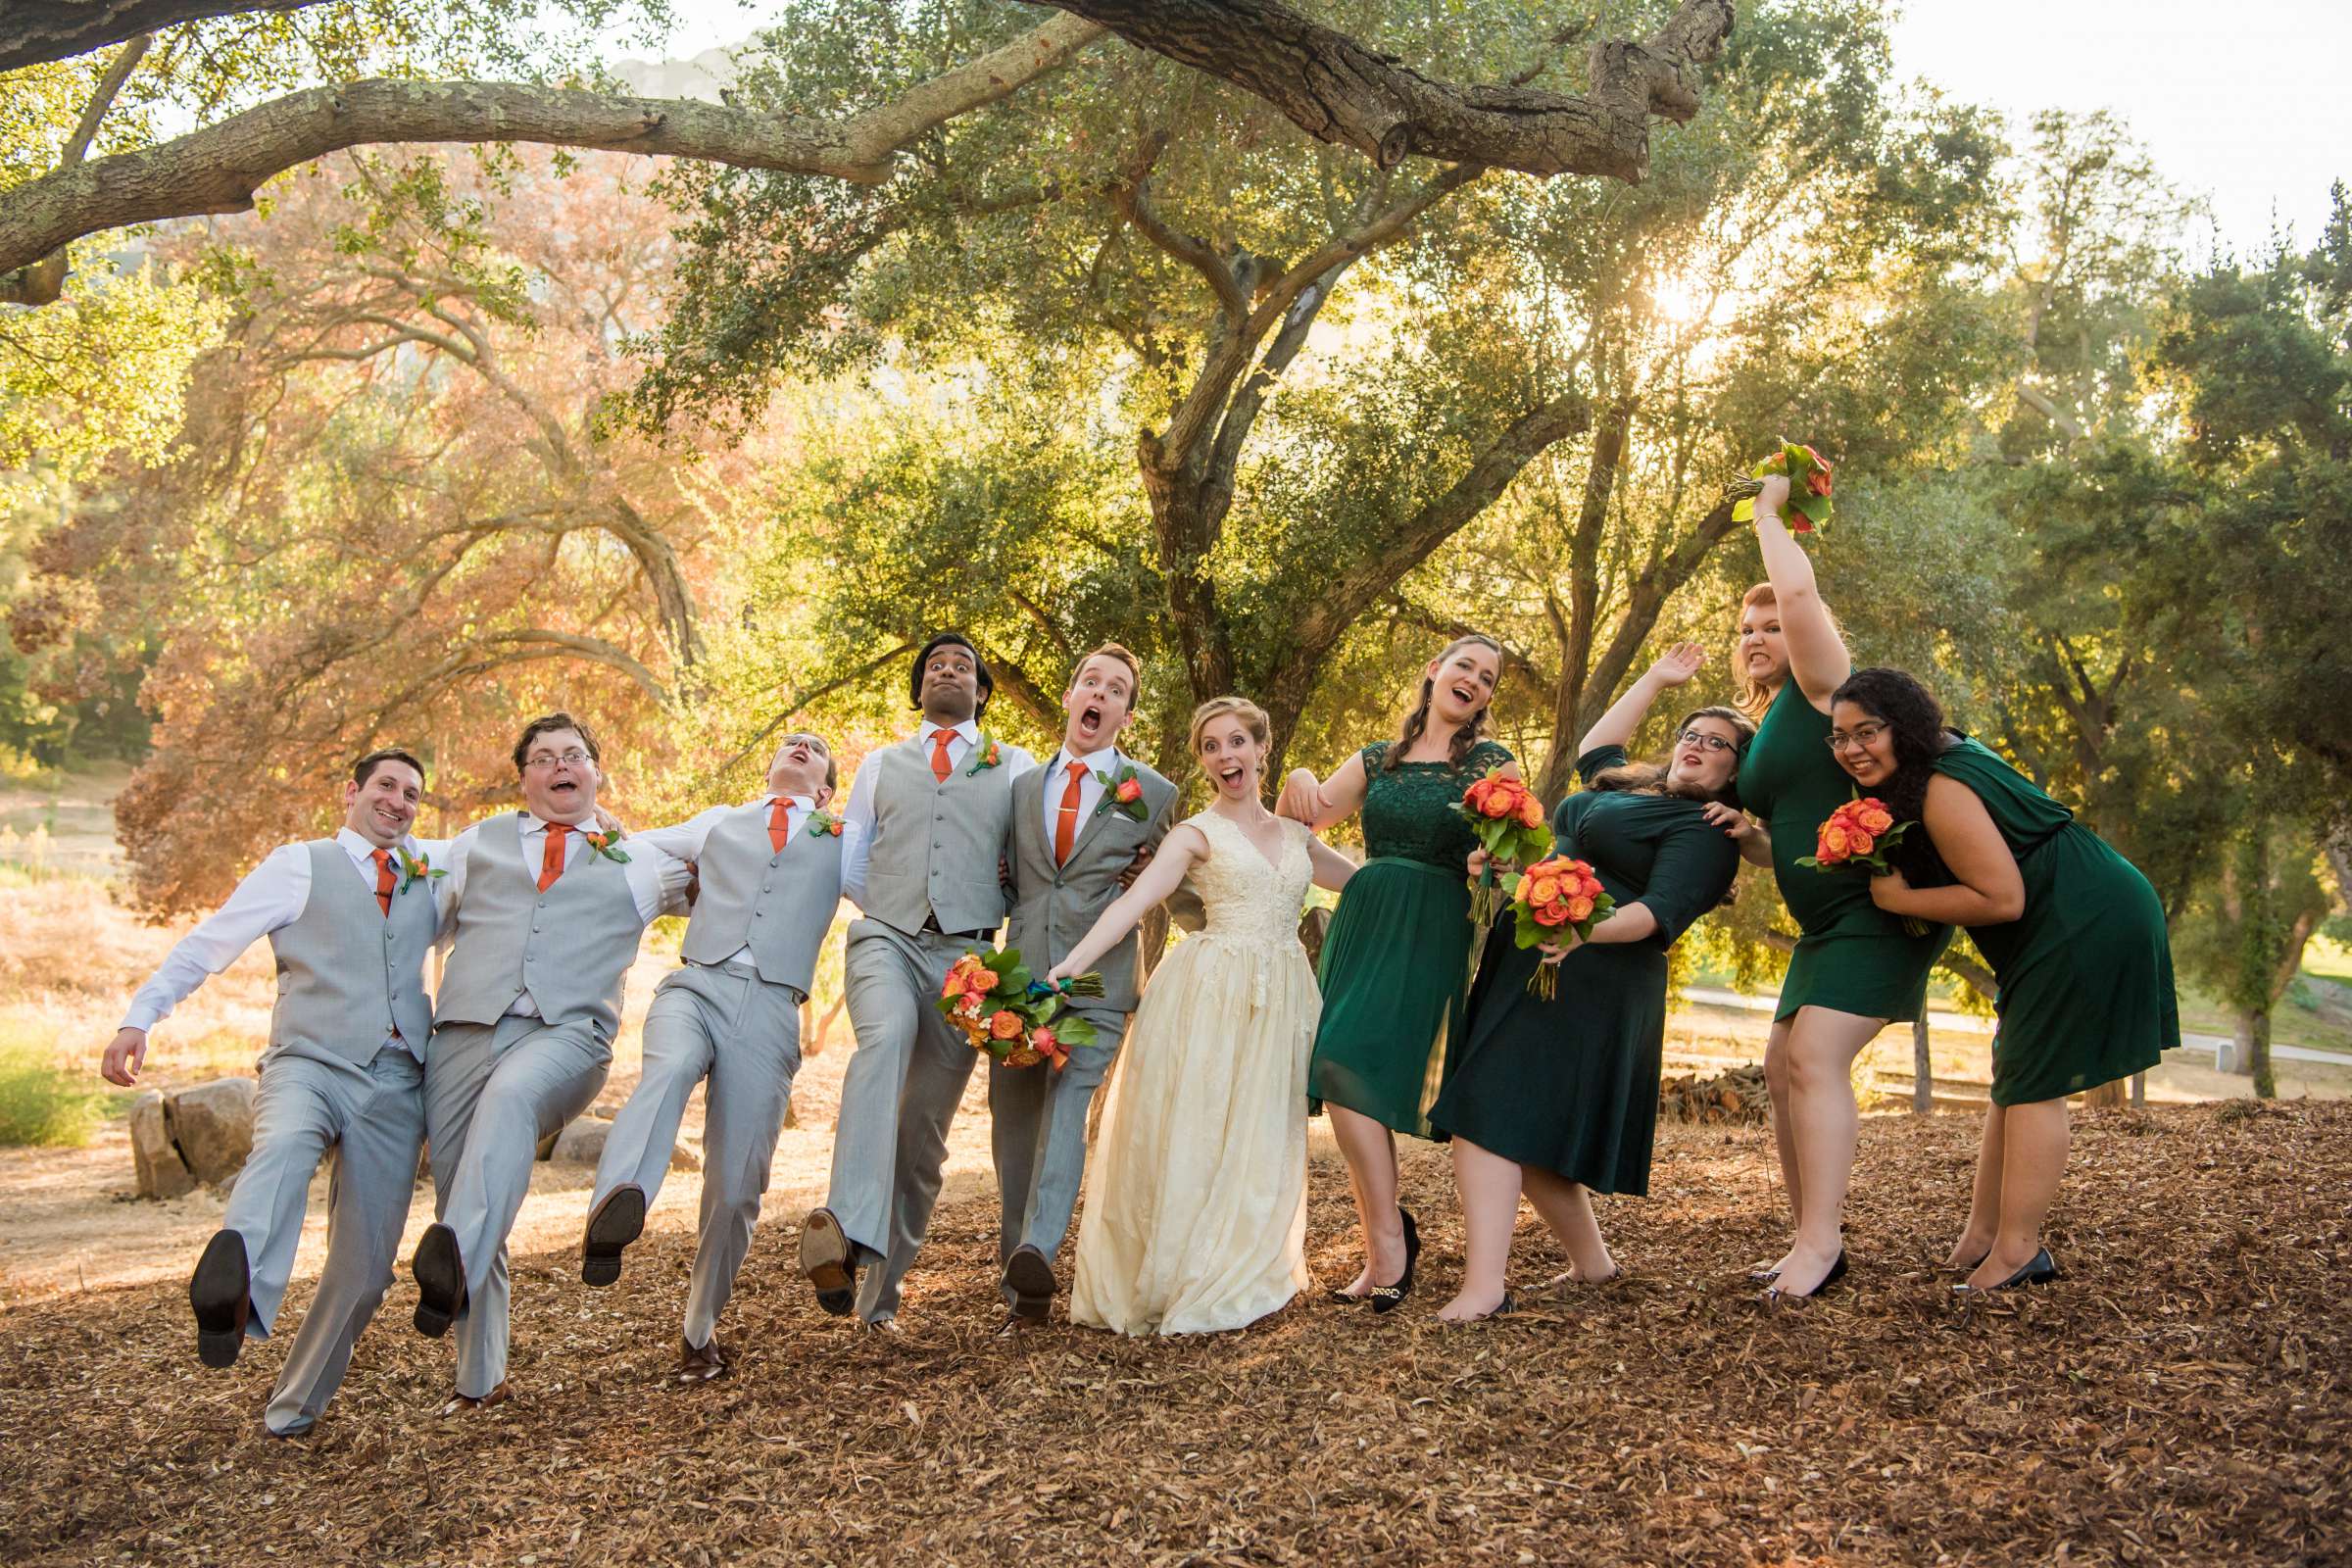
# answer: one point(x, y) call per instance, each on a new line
point(684, 1156)
point(213, 1125)
point(160, 1170)
point(583, 1142)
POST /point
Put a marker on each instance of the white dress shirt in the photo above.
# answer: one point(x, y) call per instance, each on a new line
point(1100, 765)
point(857, 819)
point(685, 840)
point(270, 897)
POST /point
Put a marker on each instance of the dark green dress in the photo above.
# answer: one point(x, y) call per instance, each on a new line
point(1571, 1085)
point(1396, 967)
point(2086, 972)
point(1852, 955)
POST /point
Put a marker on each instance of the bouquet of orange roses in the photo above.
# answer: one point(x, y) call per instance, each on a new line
point(1856, 837)
point(1809, 480)
point(1555, 895)
point(1507, 820)
point(1007, 1012)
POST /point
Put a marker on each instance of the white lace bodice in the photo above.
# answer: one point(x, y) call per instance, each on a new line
point(1245, 897)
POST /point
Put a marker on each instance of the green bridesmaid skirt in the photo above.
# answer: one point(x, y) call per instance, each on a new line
point(1395, 973)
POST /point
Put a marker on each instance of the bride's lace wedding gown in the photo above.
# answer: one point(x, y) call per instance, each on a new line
point(1196, 1198)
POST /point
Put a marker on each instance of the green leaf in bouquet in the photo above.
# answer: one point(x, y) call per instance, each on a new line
point(1075, 1031)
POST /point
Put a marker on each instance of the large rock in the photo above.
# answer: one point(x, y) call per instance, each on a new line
point(161, 1172)
point(582, 1142)
point(213, 1125)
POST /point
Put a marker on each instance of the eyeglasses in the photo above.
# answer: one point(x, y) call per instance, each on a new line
point(1713, 743)
point(1860, 735)
point(543, 760)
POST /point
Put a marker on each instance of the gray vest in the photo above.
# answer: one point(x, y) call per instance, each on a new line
point(936, 846)
point(1053, 906)
point(568, 947)
point(779, 903)
point(348, 975)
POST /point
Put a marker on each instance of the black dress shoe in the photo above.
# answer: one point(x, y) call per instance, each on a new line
point(1775, 1296)
point(1389, 1297)
point(440, 1279)
point(222, 1292)
point(1029, 1283)
point(830, 1260)
point(618, 1221)
point(2040, 1270)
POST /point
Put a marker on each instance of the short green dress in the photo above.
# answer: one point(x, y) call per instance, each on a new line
point(1852, 955)
point(1571, 1085)
point(2086, 973)
point(1396, 968)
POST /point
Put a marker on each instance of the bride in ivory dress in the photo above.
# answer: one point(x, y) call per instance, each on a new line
point(1195, 1199)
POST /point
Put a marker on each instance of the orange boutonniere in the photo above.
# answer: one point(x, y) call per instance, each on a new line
point(984, 755)
point(824, 823)
point(606, 845)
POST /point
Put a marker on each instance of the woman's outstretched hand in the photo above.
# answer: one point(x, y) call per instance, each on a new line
point(1301, 796)
point(1679, 664)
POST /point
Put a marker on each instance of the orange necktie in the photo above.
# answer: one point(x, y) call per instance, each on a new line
point(1065, 824)
point(383, 881)
point(941, 767)
point(551, 859)
point(779, 824)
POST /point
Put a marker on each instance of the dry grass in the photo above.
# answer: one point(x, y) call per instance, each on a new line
point(2181, 1398)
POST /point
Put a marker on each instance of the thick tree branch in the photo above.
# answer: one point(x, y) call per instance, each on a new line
point(218, 168)
point(39, 30)
point(42, 283)
point(1337, 91)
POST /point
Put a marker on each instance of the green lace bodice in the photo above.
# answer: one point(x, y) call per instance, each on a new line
point(1408, 813)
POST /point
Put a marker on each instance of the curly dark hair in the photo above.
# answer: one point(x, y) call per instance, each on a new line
point(1914, 719)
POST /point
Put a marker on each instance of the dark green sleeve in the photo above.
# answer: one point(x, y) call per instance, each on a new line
point(1485, 756)
point(1599, 760)
point(1566, 821)
point(1693, 870)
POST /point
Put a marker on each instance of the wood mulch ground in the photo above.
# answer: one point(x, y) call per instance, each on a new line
point(2181, 1398)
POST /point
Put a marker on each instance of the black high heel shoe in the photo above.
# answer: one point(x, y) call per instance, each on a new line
point(1774, 1295)
point(2040, 1270)
point(1389, 1297)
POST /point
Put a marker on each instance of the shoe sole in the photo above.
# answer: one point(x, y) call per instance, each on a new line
point(825, 1261)
point(219, 1292)
point(1029, 1278)
point(440, 1279)
point(618, 1221)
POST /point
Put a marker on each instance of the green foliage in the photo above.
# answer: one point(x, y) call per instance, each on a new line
point(43, 1105)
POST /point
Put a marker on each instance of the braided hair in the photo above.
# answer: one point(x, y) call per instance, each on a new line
point(1416, 723)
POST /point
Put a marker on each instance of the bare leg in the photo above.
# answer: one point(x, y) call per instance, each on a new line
point(2033, 1140)
point(1783, 1139)
point(1566, 1208)
point(1823, 1119)
point(1985, 1202)
point(1489, 1189)
point(1371, 1154)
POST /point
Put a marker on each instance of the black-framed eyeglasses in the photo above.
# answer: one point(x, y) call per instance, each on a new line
point(1713, 743)
point(1861, 735)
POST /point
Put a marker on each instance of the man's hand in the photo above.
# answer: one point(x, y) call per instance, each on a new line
point(606, 821)
point(694, 882)
point(1004, 876)
point(124, 1056)
point(1135, 867)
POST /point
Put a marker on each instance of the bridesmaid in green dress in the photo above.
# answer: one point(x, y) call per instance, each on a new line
point(2074, 935)
point(1854, 969)
point(1395, 968)
point(1558, 1099)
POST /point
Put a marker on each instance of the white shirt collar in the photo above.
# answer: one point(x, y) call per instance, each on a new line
point(358, 845)
point(969, 731)
point(1104, 761)
point(800, 803)
point(532, 822)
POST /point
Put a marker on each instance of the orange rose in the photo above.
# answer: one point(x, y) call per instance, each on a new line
point(1874, 817)
point(983, 979)
point(1859, 843)
point(1494, 804)
point(1833, 840)
point(1005, 1025)
point(1130, 790)
point(1531, 811)
point(1544, 890)
point(1818, 481)
point(969, 1004)
point(1552, 915)
point(1580, 908)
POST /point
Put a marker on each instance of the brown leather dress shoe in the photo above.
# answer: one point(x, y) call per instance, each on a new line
point(829, 1260)
point(699, 1363)
point(462, 1403)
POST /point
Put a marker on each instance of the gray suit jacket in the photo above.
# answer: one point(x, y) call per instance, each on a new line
point(1054, 907)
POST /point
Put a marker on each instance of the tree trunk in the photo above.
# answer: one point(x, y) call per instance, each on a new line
point(2107, 1097)
point(1923, 1067)
point(2252, 1051)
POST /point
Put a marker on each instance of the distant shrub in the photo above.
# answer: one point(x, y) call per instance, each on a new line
point(44, 1105)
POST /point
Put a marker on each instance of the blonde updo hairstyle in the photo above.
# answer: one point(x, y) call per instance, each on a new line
point(1253, 720)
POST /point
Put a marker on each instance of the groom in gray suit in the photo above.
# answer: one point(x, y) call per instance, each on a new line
point(1078, 825)
point(730, 1016)
point(920, 853)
